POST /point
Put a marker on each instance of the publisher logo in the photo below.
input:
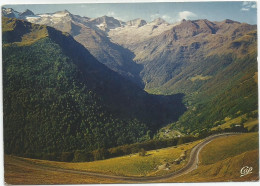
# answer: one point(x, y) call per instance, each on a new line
point(245, 171)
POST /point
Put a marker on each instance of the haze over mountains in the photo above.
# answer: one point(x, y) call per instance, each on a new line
point(212, 64)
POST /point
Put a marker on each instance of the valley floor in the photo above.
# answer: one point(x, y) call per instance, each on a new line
point(222, 164)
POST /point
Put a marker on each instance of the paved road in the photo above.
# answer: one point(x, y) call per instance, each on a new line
point(190, 166)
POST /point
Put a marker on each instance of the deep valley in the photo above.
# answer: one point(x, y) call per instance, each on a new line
point(80, 89)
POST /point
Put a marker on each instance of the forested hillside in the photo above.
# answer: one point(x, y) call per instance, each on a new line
point(59, 98)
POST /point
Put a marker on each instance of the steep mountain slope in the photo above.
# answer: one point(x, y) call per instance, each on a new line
point(163, 56)
point(213, 63)
point(91, 34)
point(58, 97)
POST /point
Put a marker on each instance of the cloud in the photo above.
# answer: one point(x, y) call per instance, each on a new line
point(111, 14)
point(186, 15)
point(154, 16)
point(248, 5)
point(115, 15)
point(245, 9)
point(168, 18)
point(180, 16)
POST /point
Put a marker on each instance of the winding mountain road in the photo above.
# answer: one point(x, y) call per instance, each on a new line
point(190, 166)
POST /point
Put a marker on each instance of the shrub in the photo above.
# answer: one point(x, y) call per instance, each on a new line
point(82, 156)
point(67, 156)
point(142, 152)
point(100, 154)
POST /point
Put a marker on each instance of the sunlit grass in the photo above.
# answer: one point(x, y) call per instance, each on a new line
point(130, 165)
point(223, 158)
point(37, 32)
point(200, 77)
point(248, 124)
point(227, 147)
point(20, 173)
point(224, 170)
point(220, 160)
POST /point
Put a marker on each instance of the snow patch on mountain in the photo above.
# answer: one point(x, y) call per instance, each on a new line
point(9, 12)
point(31, 18)
point(137, 31)
point(61, 14)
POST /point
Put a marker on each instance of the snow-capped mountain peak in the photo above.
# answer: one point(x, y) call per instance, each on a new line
point(158, 21)
point(106, 23)
point(9, 12)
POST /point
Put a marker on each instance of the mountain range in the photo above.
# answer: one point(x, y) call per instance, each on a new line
point(93, 34)
point(102, 66)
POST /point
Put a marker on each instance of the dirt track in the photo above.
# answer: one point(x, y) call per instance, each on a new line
point(191, 165)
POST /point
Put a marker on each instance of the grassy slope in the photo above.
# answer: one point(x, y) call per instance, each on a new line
point(222, 160)
point(217, 163)
point(225, 170)
point(250, 123)
point(228, 147)
point(20, 173)
point(133, 165)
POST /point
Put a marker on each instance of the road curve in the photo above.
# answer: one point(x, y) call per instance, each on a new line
point(190, 166)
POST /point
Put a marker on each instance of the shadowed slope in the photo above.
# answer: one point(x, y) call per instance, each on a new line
point(58, 97)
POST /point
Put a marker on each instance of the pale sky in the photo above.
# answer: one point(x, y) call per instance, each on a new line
point(170, 11)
